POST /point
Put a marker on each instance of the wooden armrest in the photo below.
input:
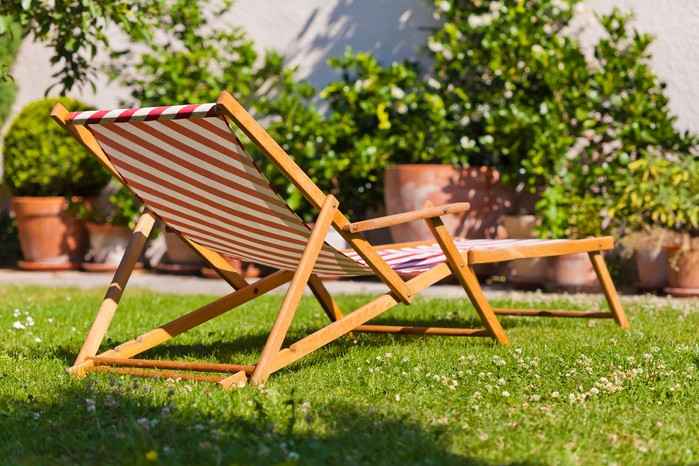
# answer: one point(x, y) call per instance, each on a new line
point(387, 221)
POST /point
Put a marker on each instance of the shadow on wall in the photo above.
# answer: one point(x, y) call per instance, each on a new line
point(391, 30)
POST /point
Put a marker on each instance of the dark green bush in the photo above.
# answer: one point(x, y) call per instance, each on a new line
point(42, 159)
point(9, 44)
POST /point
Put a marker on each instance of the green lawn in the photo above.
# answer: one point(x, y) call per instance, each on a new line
point(568, 391)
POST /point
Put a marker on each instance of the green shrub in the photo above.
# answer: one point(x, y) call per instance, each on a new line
point(660, 192)
point(545, 112)
point(376, 116)
point(42, 159)
point(9, 44)
point(122, 209)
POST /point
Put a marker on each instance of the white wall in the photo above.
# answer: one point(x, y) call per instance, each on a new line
point(307, 32)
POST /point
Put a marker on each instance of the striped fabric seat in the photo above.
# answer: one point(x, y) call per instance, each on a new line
point(416, 259)
point(187, 165)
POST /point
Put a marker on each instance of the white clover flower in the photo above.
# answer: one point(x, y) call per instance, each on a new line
point(397, 396)
point(445, 5)
point(555, 395)
point(537, 49)
point(505, 393)
point(19, 325)
point(535, 398)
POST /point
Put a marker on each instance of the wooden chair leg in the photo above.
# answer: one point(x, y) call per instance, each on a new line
point(113, 296)
point(467, 278)
point(293, 296)
point(608, 288)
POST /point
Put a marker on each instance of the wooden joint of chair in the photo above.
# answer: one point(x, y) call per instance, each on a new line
point(397, 219)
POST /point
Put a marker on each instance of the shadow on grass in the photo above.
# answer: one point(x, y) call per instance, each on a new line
point(119, 424)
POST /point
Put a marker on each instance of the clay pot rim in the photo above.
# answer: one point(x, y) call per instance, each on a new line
point(422, 166)
point(34, 199)
point(693, 246)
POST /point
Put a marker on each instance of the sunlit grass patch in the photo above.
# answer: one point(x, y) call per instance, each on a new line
point(568, 391)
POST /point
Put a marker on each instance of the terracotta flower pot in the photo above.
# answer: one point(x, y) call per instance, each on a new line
point(407, 187)
point(525, 272)
point(50, 237)
point(651, 265)
point(572, 272)
point(682, 270)
point(179, 258)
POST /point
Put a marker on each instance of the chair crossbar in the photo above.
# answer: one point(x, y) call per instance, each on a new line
point(172, 365)
point(412, 330)
point(157, 373)
point(553, 313)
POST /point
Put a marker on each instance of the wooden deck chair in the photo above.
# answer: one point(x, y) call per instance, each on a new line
point(191, 171)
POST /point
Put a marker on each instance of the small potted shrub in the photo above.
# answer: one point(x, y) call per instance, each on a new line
point(44, 167)
point(660, 206)
point(109, 220)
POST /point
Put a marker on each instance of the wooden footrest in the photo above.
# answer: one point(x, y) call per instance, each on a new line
point(553, 313)
point(470, 332)
point(231, 375)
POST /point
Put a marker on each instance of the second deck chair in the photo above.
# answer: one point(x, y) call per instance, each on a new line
point(191, 171)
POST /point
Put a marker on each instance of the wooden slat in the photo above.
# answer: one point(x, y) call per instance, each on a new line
point(553, 313)
point(446, 331)
point(609, 290)
point(481, 256)
point(293, 295)
point(157, 373)
point(62, 116)
point(172, 365)
point(390, 220)
point(230, 107)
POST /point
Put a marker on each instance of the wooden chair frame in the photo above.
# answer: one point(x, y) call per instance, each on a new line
point(273, 357)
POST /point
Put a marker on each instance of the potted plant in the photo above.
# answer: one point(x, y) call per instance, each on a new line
point(44, 167)
point(660, 205)
point(566, 214)
point(109, 218)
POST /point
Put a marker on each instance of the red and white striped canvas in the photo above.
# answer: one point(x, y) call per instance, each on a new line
point(186, 164)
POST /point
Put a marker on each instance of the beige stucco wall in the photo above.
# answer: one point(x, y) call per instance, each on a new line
point(307, 32)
